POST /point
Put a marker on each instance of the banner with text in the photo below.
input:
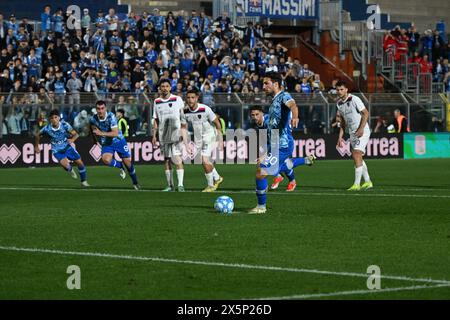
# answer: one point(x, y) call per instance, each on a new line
point(19, 152)
point(279, 9)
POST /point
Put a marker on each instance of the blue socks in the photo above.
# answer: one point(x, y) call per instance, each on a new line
point(82, 171)
point(116, 164)
point(288, 166)
point(132, 173)
point(261, 187)
point(69, 168)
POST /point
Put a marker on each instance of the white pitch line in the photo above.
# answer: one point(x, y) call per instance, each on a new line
point(216, 264)
point(351, 292)
point(334, 194)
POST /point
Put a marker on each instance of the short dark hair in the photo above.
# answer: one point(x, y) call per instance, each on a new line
point(194, 91)
point(121, 111)
point(275, 77)
point(161, 81)
point(100, 103)
point(54, 112)
point(256, 108)
point(341, 83)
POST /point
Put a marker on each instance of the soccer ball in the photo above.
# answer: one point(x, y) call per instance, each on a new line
point(224, 204)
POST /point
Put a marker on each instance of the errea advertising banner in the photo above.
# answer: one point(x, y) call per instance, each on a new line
point(20, 152)
point(287, 9)
point(427, 145)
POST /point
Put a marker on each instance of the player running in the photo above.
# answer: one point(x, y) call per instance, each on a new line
point(355, 115)
point(62, 137)
point(104, 125)
point(283, 116)
point(260, 120)
point(202, 118)
point(168, 120)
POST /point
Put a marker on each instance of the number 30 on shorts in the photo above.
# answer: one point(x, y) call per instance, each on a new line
point(270, 159)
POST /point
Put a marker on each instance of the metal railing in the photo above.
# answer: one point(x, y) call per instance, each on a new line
point(234, 108)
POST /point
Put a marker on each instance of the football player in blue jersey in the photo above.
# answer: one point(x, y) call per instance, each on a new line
point(282, 117)
point(62, 136)
point(259, 121)
point(104, 125)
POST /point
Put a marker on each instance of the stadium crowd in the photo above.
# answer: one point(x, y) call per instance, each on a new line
point(108, 54)
point(105, 54)
point(430, 50)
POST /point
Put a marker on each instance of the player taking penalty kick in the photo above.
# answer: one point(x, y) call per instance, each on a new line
point(282, 117)
point(58, 131)
point(104, 125)
point(202, 118)
point(355, 116)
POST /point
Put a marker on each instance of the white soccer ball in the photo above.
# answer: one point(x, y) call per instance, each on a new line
point(224, 205)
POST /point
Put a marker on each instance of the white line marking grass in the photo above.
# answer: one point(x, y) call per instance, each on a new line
point(351, 292)
point(333, 194)
point(217, 264)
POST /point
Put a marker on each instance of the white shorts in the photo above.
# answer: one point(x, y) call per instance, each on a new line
point(206, 146)
point(170, 150)
point(360, 144)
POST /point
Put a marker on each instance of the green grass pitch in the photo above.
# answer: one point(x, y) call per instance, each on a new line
point(314, 243)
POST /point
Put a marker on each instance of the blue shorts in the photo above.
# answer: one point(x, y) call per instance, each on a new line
point(121, 147)
point(69, 153)
point(273, 162)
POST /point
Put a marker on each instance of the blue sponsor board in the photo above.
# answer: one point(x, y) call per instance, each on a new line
point(282, 9)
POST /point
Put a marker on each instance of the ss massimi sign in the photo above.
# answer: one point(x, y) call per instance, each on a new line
point(287, 9)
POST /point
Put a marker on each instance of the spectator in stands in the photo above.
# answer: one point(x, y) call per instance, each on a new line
point(437, 124)
point(3, 32)
point(305, 86)
point(81, 123)
point(14, 117)
point(401, 122)
point(74, 86)
point(85, 21)
point(224, 21)
point(122, 122)
point(440, 27)
point(336, 123)
point(46, 19)
point(333, 89)
point(427, 44)
point(413, 40)
point(426, 66)
point(317, 84)
point(438, 46)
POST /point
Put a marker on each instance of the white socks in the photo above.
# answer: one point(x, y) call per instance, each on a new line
point(215, 174)
point(180, 176)
point(365, 172)
point(209, 179)
point(169, 177)
point(358, 175)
